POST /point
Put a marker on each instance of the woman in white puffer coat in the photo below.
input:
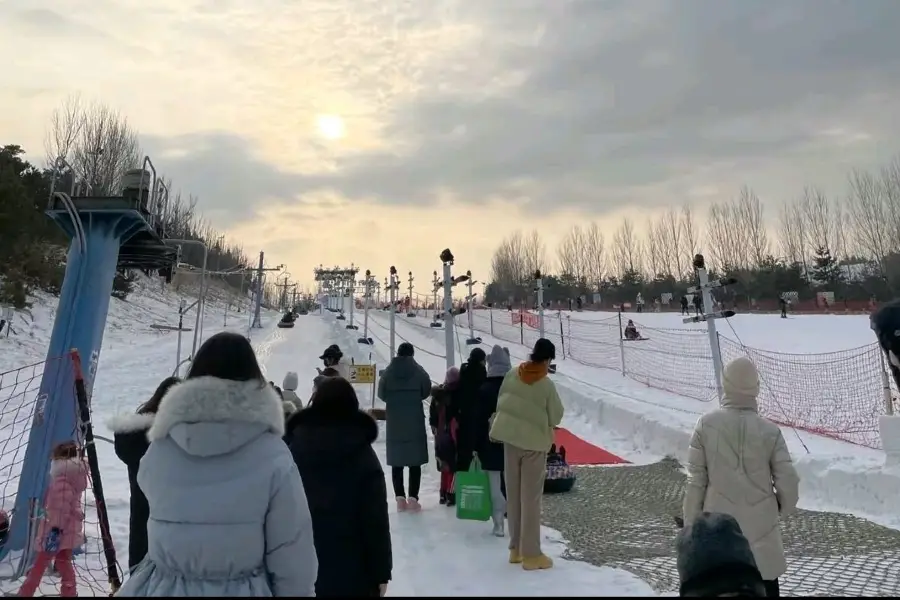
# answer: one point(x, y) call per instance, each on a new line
point(739, 464)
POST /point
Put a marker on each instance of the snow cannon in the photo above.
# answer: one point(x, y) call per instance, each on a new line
point(885, 322)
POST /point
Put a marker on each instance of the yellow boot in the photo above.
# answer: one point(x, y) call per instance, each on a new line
point(534, 563)
point(514, 557)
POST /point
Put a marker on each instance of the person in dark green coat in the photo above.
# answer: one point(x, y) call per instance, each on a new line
point(403, 386)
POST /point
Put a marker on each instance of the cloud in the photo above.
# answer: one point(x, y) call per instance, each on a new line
point(465, 119)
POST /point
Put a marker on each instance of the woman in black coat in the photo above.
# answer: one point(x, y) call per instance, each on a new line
point(471, 376)
point(490, 454)
point(331, 442)
point(130, 437)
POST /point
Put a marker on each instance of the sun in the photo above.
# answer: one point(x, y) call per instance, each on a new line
point(330, 127)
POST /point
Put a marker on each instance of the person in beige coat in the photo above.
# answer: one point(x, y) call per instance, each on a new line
point(528, 408)
point(739, 464)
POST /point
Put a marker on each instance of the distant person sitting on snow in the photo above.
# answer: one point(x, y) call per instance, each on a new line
point(733, 448)
point(631, 332)
point(714, 559)
point(334, 358)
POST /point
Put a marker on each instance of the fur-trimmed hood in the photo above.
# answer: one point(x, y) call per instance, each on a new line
point(208, 416)
point(130, 423)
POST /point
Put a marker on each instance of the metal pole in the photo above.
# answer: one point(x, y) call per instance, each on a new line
point(257, 323)
point(368, 294)
point(393, 295)
point(434, 304)
point(352, 302)
point(448, 313)
point(180, 327)
point(409, 309)
point(711, 329)
point(201, 305)
point(539, 288)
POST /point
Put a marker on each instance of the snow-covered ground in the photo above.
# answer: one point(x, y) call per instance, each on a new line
point(643, 424)
point(435, 554)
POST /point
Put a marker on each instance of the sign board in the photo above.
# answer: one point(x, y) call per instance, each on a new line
point(362, 373)
point(8, 313)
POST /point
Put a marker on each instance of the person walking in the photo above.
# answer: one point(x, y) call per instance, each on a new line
point(739, 464)
point(403, 387)
point(528, 409)
point(490, 453)
point(331, 442)
point(131, 443)
point(471, 376)
point(228, 512)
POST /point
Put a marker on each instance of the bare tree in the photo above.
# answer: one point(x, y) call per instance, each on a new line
point(869, 216)
point(890, 187)
point(627, 250)
point(654, 251)
point(690, 240)
point(669, 233)
point(822, 219)
point(570, 255)
point(792, 237)
point(534, 251)
point(508, 263)
point(748, 213)
point(96, 140)
point(594, 254)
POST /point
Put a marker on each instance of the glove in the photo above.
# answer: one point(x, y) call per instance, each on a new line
point(51, 544)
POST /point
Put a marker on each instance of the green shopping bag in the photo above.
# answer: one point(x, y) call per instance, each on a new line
point(473, 493)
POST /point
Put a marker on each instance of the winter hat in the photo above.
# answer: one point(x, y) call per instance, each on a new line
point(543, 350)
point(332, 351)
point(291, 381)
point(406, 349)
point(477, 355)
point(741, 382)
point(498, 362)
point(452, 376)
point(714, 559)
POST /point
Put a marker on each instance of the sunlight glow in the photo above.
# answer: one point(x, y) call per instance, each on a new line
point(330, 127)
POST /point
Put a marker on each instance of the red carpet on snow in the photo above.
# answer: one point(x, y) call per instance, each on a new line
point(580, 452)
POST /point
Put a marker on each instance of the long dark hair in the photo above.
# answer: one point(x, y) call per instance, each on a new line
point(151, 406)
point(227, 355)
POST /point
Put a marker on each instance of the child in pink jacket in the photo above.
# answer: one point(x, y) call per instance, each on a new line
point(61, 529)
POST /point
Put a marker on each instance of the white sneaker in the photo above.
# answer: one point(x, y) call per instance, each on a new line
point(401, 504)
point(498, 529)
point(413, 505)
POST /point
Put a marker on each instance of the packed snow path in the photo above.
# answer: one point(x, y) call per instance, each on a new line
point(623, 516)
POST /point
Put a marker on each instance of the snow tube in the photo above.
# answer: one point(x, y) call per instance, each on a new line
point(285, 324)
point(560, 477)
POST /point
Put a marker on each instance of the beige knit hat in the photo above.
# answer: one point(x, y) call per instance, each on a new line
point(741, 382)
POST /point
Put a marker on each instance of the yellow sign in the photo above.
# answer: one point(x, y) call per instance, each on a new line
point(362, 373)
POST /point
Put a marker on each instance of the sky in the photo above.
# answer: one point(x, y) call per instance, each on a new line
point(379, 132)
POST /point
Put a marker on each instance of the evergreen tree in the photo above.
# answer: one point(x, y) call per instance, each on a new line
point(826, 271)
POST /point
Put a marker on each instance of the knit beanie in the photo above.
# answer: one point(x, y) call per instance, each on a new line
point(498, 362)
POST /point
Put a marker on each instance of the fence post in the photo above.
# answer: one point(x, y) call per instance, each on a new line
point(562, 337)
point(392, 287)
point(621, 342)
point(521, 327)
point(886, 387)
point(491, 314)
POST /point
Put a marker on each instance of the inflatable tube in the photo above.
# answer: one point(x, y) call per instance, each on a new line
point(559, 486)
point(285, 324)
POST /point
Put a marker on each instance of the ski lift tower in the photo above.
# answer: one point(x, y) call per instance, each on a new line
point(709, 316)
point(109, 229)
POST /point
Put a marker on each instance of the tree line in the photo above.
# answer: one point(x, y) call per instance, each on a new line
point(99, 146)
point(847, 245)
